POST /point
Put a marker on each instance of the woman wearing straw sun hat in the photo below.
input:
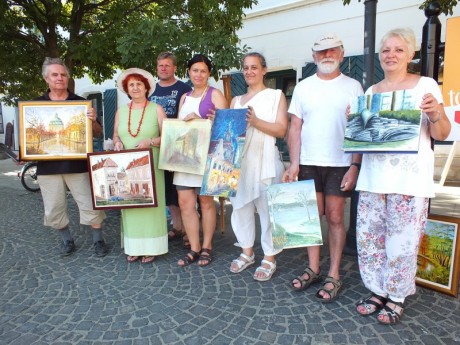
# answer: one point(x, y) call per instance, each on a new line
point(138, 125)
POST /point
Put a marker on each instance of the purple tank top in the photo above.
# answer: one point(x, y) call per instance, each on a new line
point(206, 103)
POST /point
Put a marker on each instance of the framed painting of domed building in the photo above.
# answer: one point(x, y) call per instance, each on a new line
point(54, 130)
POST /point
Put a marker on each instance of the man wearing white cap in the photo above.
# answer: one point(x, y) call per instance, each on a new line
point(318, 120)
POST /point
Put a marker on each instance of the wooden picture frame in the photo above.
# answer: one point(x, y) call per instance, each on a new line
point(54, 130)
point(184, 145)
point(122, 179)
point(438, 260)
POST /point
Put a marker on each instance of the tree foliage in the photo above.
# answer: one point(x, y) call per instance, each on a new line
point(96, 37)
point(446, 6)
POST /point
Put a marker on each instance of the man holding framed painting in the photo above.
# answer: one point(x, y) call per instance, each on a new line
point(55, 176)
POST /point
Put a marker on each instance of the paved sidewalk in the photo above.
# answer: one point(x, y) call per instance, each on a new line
point(83, 299)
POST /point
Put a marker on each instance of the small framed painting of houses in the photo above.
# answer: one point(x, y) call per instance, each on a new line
point(54, 130)
point(384, 122)
point(294, 216)
point(438, 259)
point(184, 145)
point(122, 179)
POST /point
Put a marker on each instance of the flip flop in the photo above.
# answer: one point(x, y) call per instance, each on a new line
point(132, 259)
point(147, 259)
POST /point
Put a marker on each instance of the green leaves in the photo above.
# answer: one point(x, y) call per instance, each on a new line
point(446, 6)
point(99, 36)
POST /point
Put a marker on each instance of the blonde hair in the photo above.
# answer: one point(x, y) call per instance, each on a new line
point(406, 34)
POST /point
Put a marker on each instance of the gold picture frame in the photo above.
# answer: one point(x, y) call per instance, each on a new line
point(438, 259)
point(54, 130)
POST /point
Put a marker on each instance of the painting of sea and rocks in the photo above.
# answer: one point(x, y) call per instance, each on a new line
point(228, 137)
point(184, 145)
point(384, 122)
point(294, 215)
point(54, 130)
point(122, 179)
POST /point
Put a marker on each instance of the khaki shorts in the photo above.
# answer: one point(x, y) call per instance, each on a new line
point(54, 193)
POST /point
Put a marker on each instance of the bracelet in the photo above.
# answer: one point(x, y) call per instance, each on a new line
point(358, 165)
point(151, 142)
point(439, 118)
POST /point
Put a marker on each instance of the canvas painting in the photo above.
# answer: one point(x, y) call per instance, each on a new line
point(228, 137)
point(54, 130)
point(438, 259)
point(294, 215)
point(384, 122)
point(184, 145)
point(122, 179)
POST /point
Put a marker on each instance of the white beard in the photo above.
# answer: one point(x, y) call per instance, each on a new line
point(326, 67)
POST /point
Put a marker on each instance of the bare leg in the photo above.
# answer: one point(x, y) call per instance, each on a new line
point(208, 220)
point(314, 251)
point(335, 206)
point(176, 217)
point(187, 204)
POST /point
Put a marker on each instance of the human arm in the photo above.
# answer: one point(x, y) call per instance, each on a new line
point(292, 172)
point(351, 176)
point(275, 129)
point(437, 119)
point(96, 126)
point(117, 143)
point(149, 142)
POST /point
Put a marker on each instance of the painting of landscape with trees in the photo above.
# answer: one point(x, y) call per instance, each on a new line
point(438, 256)
point(294, 215)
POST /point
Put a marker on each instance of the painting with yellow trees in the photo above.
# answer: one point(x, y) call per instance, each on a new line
point(294, 215)
point(438, 259)
point(54, 130)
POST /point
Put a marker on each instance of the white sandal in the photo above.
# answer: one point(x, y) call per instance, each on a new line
point(243, 264)
point(268, 272)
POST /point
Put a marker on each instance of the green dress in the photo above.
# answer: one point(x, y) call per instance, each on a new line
point(144, 230)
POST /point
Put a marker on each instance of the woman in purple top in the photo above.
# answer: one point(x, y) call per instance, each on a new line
point(197, 104)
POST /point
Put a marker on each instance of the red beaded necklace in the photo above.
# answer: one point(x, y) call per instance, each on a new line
point(140, 122)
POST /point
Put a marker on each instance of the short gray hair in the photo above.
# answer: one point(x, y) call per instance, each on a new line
point(406, 34)
point(53, 61)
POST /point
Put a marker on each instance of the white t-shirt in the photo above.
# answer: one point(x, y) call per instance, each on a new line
point(322, 104)
point(399, 173)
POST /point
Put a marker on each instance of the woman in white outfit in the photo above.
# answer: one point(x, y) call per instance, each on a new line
point(261, 166)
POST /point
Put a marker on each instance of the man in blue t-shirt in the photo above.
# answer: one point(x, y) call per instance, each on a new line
point(168, 92)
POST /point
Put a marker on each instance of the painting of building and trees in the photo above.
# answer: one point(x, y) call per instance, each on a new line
point(122, 179)
point(294, 215)
point(184, 145)
point(228, 137)
point(55, 130)
point(383, 122)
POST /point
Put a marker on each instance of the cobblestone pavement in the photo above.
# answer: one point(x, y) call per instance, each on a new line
point(83, 299)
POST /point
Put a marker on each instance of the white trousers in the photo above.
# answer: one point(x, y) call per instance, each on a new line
point(244, 224)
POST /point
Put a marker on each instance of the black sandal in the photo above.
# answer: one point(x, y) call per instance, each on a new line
point(305, 283)
point(370, 305)
point(190, 258)
point(393, 315)
point(333, 293)
point(206, 259)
